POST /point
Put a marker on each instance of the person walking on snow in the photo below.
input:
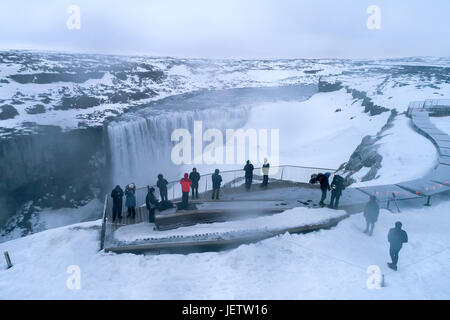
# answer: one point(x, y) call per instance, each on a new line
point(151, 203)
point(117, 196)
point(185, 188)
point(130, 200)
point(195, 178)
point(396, 237)
point(265, 170)
point(371, 213)
point(248, 175)
point(337, 185)
point(162, 186)
point(216, 181)
point(324, 186)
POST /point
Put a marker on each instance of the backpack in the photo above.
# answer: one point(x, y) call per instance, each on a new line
point(338, 182)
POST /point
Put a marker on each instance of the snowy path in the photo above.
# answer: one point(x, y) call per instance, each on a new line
point(322, 265)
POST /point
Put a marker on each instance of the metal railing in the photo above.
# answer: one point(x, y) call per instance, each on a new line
point(230, 179)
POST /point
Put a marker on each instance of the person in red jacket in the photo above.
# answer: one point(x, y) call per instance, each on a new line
point(185, 188)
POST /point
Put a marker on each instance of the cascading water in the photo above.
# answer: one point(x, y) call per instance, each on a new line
point(141, 147)
point(140, 143)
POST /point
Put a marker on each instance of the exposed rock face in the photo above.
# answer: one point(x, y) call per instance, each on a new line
point(7, 111)
point(367, 103)
point(366, 155)
point(53, 168)
point(36, 109)
point(325, 86)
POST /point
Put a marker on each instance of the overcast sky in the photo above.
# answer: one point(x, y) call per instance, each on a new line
point(231, 28)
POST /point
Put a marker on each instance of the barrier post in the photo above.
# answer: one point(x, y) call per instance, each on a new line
point(8, 260)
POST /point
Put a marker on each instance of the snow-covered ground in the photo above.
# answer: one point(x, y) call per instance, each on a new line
point(407, 155)
point(321, 132)
point(296, 217)
point(53, 218)
point(119, 82)
point(328, 264)
point(442, 123)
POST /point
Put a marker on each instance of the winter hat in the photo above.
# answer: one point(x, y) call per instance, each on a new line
point(217, 171)
point(327, 174)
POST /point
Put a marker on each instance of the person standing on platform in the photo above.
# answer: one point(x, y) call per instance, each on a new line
point(162, 186)
point(216, 181)
point(151, 203)
point(117, 196)
point(195, 178)
point(248, 175)
point(324, 186)
point(185, 188)
point(337, 186)
point(265, 170)
point(130, 200)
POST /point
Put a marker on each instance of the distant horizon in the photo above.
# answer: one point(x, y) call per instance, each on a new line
point(149, 55)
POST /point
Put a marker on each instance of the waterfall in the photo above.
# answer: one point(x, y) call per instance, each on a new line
point(140, 142)
point(140, 146)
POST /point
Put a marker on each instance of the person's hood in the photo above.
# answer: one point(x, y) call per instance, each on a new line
point(186, 176)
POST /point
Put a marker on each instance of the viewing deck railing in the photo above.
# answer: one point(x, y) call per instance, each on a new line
point(230, 179)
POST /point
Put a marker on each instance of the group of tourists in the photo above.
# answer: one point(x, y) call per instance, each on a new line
point(130, 201)
point(249, 174)
point(189, 182)
point(336, 188)
point(396, 236)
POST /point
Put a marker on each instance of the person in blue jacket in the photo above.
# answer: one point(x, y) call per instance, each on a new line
point(130, 200)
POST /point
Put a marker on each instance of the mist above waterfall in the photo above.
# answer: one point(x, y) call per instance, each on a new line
point(140, 143)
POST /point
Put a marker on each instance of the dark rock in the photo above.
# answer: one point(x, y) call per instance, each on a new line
point(7, 111)
point(36, 109)
point(46, 78)
point(329, 87)
point(78, 102)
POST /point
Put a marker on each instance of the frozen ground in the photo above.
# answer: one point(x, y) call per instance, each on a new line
point(296, 217)
point(38, 84)
point(51, 218)
point(323, 265)
point(407, 155)
point(321, 132)
point(442, 123)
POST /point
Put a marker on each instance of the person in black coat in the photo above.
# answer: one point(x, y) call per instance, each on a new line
point(248, 174)
point(337, 186)
point(117, 195)
point(265, 170)
point(216, 181)
point(162, 186)
point(195, 178)
point(371, 213)
point(396, 237)
point(324, 186)
point(151, 203)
